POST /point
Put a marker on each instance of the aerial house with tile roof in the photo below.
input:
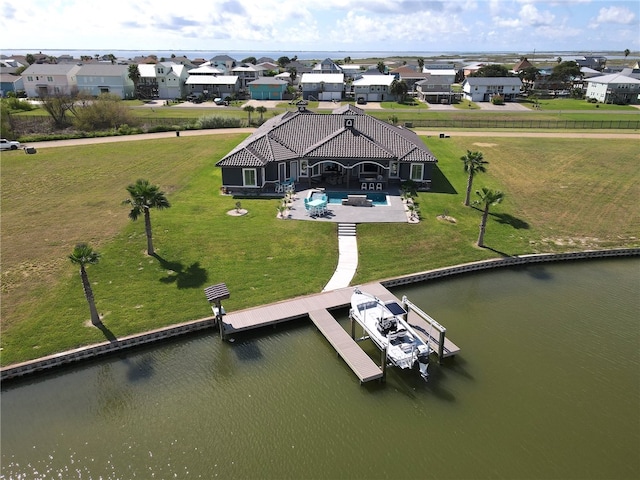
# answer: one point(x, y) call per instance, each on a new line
point(346, 149)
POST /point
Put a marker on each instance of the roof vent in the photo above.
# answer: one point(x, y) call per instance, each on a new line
point(348, 123)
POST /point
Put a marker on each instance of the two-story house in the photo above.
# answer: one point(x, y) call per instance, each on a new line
point(247, 73)
point(373, 88)
point(322, 86)
point(41, 79)
point(98, 78)
point(615, 88)
point(437, 87)
point(410, 75)
point(327, 66)
point(595, 63)
point(224, 63)
point(213, 86)
point(482, 89)
point(173, 84)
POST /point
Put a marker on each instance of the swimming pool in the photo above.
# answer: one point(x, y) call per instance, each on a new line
point(378, 198)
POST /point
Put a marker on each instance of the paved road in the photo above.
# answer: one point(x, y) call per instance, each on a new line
point(188, 133)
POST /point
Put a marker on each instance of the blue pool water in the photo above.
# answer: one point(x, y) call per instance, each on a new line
point(377, 198)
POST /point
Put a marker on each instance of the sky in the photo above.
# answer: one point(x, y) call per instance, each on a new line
point(519, 26)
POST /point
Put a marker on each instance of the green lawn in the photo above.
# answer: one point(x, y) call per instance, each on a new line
point(575, 104)
point(561, 195)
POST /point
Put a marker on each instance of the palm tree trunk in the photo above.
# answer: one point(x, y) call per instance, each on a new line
point(147, 226)
point(88, 293)
point(483, 226)
point(467, 198)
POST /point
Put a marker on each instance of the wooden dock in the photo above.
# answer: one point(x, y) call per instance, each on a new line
point(293, 309)
point(347, 348)
point(316, 307)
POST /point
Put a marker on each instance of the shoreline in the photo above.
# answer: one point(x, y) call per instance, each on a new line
point(67, 358)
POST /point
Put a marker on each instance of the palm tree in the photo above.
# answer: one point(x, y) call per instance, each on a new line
point(249, 109)
point(473, 163)
point(399, 89)
point(488, 198)
point(626, 53)
point(144, 197)
point(134, 75)
point(84, 255)
point(261, 111)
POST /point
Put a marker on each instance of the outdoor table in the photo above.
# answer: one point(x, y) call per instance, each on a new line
point(317, 206)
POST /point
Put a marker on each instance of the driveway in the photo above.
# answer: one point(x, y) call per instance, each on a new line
point(507, 107)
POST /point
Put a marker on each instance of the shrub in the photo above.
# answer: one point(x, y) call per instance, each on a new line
point(14, 103)
point(497, 100)
point(105, 112)
point(218, 122)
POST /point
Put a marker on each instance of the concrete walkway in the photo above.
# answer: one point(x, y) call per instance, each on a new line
point(347, 259)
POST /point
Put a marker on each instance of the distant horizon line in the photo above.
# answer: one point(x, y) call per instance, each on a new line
point(311, 51)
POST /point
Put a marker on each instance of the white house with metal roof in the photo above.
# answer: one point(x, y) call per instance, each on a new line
point(220, 86)
point(322, 86)
point(615, 88)
point(482, 89)
point(373, 88)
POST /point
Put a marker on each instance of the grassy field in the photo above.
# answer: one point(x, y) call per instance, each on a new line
point(561, 195)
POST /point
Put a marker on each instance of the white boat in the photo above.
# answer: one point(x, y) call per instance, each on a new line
point(386, 327)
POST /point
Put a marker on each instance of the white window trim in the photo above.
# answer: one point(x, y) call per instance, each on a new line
point(244, 178)
point(421, 166)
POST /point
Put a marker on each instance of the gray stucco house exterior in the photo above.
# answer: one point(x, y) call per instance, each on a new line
point(346, 148)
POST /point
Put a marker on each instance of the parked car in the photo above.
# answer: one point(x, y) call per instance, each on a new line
point(8, 144)
point(361, 101)
point(218, 101)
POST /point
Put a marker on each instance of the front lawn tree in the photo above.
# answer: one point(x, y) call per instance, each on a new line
point(134, 75)
point(474, 163)
point(400, 90)
point(261, 110)
point(487, 199)
point(84, 255)
point(57, 105)
point(144, 197)
point(564, 73)
point(491, 70)
point(249, 109)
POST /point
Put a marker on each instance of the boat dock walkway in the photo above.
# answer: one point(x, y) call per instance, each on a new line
point(361, 364)
point(317, 307)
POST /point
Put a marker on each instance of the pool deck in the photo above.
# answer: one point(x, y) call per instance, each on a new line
point(338, 213)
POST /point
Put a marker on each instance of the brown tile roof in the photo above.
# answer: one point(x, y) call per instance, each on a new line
point(309, 135)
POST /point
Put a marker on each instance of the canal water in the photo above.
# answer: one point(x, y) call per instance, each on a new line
point(547, 385)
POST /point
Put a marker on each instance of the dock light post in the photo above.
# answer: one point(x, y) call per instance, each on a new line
point(215, 294)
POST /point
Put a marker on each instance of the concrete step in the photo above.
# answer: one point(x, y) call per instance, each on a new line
point(346, 229)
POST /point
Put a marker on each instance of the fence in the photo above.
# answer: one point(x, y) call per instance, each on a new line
point(528, 124)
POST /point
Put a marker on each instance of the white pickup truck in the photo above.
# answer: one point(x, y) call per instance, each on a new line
point(8, 145)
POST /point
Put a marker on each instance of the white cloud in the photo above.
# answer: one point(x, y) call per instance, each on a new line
point(615, 14)
point(530, 15)
point(290, 25)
